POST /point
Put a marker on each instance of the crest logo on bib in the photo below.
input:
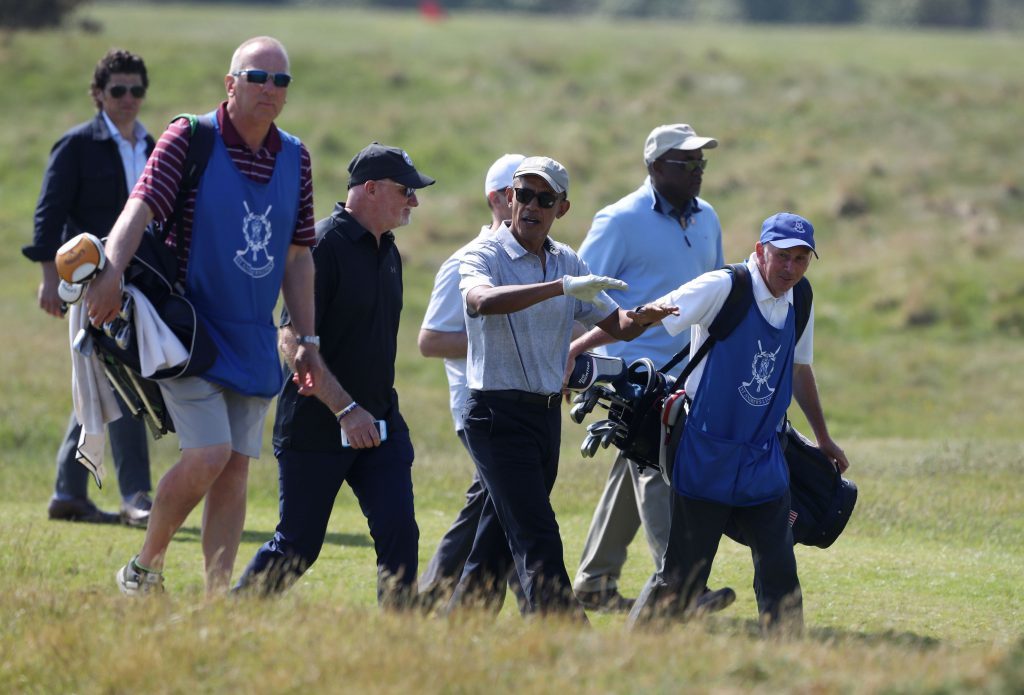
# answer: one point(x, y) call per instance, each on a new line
point(254, 260)
point(761, 369)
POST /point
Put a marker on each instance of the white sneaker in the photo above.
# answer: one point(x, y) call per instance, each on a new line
point(133, 581)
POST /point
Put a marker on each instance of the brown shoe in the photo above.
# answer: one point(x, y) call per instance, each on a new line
point(80, 509)
point(606, 601)
point(135, 511)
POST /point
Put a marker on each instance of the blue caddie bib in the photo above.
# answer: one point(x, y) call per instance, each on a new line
point(240, 238)
point(729, 451)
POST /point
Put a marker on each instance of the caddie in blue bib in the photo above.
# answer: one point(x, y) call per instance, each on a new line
point(240, 239)
point(729, 451)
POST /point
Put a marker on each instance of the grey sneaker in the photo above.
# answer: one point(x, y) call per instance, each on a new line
point(134, 581)
point(135, 510)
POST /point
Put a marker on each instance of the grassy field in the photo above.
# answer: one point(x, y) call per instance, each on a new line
point(904, 150)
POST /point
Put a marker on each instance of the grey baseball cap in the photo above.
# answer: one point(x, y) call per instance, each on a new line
point(546, 168)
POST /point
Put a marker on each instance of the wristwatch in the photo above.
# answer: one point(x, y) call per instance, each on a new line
point(313, 340)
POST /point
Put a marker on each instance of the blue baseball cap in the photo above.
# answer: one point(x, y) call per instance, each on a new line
point(785, 230)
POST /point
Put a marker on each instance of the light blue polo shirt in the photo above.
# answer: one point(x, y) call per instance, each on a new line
point(635, 239)
point(526, 350)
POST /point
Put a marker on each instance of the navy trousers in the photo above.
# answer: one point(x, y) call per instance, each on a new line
point(437, 582)
point(128, 447)
point(515, 448)
point(697, 529)
point(381, 479)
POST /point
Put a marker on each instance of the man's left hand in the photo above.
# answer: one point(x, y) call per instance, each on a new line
point(834, 453)
point(648, 314)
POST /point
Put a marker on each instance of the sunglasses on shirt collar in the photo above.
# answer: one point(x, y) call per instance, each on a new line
point(544, 199)
point(119, 90)
point(281, 79)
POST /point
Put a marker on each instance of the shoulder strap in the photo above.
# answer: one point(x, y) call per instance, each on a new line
point(729, 316)
point(199, 149)
point(736, 304)
point(803, 296)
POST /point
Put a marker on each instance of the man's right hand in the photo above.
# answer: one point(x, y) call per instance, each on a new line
point(49, 300)
point(103, 296)
point(587, 287)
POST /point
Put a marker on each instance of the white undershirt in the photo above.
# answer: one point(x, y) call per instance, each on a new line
point(133, 157)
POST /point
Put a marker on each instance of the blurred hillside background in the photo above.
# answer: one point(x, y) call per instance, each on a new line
point(966, 14)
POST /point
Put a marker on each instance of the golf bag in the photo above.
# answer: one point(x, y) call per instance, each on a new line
point(821, 499)
point(153, 270)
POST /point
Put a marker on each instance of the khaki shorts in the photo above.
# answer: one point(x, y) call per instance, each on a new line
point(206, 414)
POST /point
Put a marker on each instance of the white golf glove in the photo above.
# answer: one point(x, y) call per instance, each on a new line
point(587, 287)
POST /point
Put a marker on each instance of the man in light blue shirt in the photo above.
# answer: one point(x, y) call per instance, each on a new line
point(656, 238)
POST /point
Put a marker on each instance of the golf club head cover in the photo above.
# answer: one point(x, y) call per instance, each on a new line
point(591, 368)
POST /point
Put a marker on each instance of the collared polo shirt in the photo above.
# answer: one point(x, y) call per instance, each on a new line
point(526, 350)
point(634, 241)
point(358, 292)
point(700, 300)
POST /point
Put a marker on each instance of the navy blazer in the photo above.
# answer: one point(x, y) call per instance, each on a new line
point(84, 188)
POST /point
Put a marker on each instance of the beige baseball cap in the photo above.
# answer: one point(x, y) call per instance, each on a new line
point(678, 136)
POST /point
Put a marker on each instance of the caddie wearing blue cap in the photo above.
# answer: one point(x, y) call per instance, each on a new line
point(730, 465)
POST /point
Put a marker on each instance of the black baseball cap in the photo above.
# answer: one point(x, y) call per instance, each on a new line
point(377, 161)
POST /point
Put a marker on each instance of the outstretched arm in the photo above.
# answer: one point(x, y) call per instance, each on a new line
point(805, 390)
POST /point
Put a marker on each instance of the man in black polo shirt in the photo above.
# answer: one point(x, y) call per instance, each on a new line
point(358, 304)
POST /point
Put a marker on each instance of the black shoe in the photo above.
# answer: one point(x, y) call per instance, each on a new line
point(80, 509)
point(607, 601)
point(712, 601)
point(135, 512)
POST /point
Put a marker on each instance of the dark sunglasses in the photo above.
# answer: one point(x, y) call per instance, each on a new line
point(409, 191)
point(544, 199)
point(281, 79)
point(119, 90)
point(688, 164)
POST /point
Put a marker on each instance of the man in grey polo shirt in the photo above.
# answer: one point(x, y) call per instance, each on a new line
point(522, 292)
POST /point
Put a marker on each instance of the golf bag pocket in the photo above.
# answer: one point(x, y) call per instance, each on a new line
point(153, 273)
point(726, 471)
point(822, 500)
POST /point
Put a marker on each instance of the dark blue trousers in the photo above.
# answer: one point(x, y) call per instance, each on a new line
point(515, 448)
point(129, 449)
point(697, 529)
point(381, 479)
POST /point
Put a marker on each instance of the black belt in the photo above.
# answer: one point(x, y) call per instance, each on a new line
point(549, 401)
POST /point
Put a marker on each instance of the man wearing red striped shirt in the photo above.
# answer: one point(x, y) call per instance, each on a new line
point(248, 227)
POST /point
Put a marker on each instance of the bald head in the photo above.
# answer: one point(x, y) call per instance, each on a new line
point(243, 55)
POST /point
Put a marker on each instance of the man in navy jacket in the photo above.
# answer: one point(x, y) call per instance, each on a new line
point(91, 169)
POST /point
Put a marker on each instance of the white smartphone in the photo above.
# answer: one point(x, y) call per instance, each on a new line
point(382, 427)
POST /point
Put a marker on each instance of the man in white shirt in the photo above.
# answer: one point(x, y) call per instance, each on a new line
point(443, 334)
